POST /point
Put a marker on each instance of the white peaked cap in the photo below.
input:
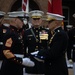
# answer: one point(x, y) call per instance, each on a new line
point(2, 13)
point(36, 14)
point(17, 14)
point(51, 16)
point(69, 26)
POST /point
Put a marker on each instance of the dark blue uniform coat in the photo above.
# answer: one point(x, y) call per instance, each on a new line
point(55, 62)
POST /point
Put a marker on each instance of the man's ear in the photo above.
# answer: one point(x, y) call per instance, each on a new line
point(15, 19)
point(58, 22)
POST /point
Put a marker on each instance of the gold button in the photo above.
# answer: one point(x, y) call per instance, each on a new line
point(36, 35)
point(29, 38)
point(20, 62)
point(14, 59)
point(40, 41)
point(39, 27)
point(36, 49)
point(36, 30)
point(21, 42)
point(17, 60)
point(36, 40)
point(36, 46)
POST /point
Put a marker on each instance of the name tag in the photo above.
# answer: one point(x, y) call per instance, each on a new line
point(44, 36)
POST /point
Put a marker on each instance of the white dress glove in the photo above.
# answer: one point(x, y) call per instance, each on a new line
point(27, 62)
point(40, 60)
point(34, 53)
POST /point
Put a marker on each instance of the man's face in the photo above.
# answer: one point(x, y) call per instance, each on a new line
point(54, 24)
point(36, 21)
point(19, 23)
point(16, 22)
point(51, 25)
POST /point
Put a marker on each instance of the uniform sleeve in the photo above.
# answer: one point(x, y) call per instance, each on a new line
point(7, 52)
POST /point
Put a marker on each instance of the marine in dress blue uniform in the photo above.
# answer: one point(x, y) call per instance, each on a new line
point(3, 30)
point(71, 47)
point(35, 39)
point(13, 50)
point(54, 56)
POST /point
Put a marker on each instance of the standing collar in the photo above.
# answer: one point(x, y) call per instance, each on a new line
point(58, 28)
point(14, 28)
point(37, 28)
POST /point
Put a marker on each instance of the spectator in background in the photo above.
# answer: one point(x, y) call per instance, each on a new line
point(71, 46)
point(69, 50)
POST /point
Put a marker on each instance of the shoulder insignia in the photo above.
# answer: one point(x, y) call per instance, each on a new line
point(8, 54)
point(8, 42)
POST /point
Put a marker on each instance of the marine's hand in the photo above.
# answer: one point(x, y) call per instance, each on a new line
point(37, 57)
point(34, 53)
point(28, 62)
point(40, 60)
